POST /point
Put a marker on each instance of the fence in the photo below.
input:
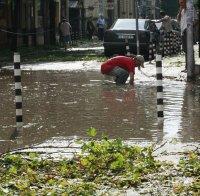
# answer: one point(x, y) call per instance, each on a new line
point(23, 38)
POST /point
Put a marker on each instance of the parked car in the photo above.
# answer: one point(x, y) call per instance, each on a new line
point(122, 29)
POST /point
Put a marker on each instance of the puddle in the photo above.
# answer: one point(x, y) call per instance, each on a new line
point(65, 99)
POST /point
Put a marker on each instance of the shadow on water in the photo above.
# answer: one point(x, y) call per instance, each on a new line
point(64, 104)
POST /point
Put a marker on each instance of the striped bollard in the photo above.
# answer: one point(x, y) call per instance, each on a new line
point(154, 50)
point(18, 92)
point(150, 52)
point(127, 48)
point(159, 76)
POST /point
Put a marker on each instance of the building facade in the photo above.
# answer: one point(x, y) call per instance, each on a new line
point(30, 22)
point(171, 7)
point(149, 9)
point(35, 22)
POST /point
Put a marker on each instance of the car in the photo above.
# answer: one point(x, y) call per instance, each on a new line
point(125, 29)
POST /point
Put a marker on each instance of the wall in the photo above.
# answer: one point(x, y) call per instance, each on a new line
point(170, 7)
point(36, 20)
point(127, 9)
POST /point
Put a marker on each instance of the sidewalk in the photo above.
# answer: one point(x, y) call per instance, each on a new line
point(172, 67)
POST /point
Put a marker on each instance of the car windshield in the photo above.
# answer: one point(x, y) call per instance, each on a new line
point(128, 24)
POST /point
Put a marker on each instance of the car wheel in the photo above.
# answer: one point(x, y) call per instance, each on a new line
point(146, 54)
point(107, 52)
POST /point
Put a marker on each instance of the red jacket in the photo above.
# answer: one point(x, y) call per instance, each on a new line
point(127, 63)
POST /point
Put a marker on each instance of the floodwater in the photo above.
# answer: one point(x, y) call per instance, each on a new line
point(64, 100)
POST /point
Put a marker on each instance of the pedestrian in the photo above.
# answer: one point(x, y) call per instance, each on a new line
point(121, 67)
point(166, 32)
point(65, 31)
point(182, 19)
point(154, 33)
point(90, 28)
point(101, 27)
point(166, 22)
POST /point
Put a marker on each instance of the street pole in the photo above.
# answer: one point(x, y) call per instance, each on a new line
point(137, 27)
point(190, 49)
point(153, 9)
point(199, 27)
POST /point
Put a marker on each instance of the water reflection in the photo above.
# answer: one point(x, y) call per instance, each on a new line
point(66, 103)
point(173, 98)
point(191, 114)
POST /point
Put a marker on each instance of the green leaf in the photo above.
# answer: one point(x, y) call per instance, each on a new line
point(33, 155)
point(91, 132)
point(13, 170)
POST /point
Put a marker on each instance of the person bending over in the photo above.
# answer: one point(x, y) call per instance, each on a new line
point(121, 67)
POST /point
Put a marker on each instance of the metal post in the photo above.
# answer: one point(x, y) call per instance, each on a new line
point(199, 28)
point(18, 92)
point(153, 7)
point(137, 27)
point(127, 48)
point(159, 77)
point(190, 48)
point(150, 52)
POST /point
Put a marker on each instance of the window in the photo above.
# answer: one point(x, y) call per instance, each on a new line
point(39, 13)
point(2, 11)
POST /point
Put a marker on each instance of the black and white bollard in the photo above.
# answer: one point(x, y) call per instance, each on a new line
point(18, 92)
point(128, 53)
point(154, 50)
point(150, 52)
point(159, 77)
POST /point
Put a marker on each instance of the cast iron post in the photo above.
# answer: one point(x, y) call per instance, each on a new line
point(137, 28)
point(190, 49)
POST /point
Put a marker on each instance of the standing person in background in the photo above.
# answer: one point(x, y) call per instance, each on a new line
point(90, 28)
point(182, 19)
point(101, 27)
point(166, 33)
point(166, 22)
point(65, 30)
point(154, 34)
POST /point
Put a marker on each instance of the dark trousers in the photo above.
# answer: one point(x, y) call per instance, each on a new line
point(121, 75)
point(100, 33)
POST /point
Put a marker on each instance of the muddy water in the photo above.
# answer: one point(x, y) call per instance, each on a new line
point(67, 103)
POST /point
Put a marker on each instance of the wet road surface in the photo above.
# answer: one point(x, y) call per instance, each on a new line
point(60, 102)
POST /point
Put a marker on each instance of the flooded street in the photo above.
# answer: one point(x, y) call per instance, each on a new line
point(65, 99)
